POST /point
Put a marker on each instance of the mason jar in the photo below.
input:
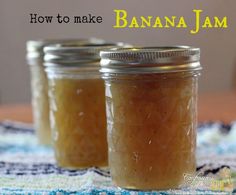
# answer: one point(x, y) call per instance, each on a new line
point(77, 104)
point(39, 84)
point(151, 107)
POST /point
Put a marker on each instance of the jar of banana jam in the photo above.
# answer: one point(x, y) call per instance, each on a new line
point(151, 107)
point(77, 104)
point(39, 84)
point(39, 90)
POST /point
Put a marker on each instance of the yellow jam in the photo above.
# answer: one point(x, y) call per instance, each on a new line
point(151, 129)
point(40, 103)
point(78, 122)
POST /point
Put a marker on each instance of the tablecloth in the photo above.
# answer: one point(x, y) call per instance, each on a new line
point(29, 168)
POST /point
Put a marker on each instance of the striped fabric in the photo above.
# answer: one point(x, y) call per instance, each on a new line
point(28, 168)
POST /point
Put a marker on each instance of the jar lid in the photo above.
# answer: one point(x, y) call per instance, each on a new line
point(71, 54)
point(150, 59)
point(35, 47)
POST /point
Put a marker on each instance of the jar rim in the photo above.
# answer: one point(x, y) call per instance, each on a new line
point(150, 59)
point(35, 48)
point(70, 54)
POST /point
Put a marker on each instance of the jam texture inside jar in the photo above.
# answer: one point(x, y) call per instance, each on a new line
point(40, 103)
point(77, 104)
point(78, 121)
point(151, 117)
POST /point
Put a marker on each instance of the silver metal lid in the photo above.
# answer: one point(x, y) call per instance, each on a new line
point(72, 54)
point(35, 47)
point(150, 59)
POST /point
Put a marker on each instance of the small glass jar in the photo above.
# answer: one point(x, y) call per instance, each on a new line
point(77, 104)
point(39, 84)
point(39, 90)
point(151, 105)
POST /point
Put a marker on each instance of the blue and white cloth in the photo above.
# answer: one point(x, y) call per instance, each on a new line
point(28, 168)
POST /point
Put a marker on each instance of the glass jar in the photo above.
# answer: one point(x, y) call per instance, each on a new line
point(151, 105)
point(39, 84)
point(77, 104)
point(39, 90)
